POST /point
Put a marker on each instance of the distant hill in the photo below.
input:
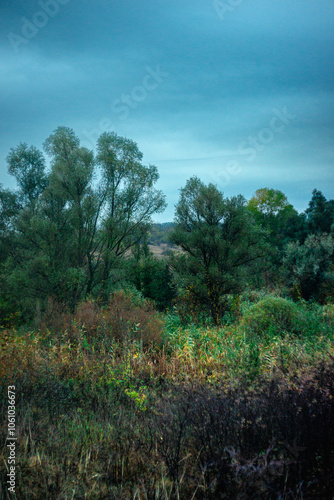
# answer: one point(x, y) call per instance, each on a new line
point(159, 234)
point(158, 238)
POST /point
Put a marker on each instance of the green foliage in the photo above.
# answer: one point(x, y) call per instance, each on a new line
point(320, 213)
point(219, 239)
point(118, 400)
point(10, 317)
point(152, 277)
point(27, 165)
point(328, 314)
point(159, 234)
point(308, 267)
point(275, 316)
point(9, 206)
point(268, 203)
point(271, 209)
point(63, 236)
point(118, 420)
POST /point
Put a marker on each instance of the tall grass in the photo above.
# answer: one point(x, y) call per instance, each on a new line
point(117, 402)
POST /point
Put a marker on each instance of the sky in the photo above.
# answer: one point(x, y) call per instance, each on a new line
point(237, 92)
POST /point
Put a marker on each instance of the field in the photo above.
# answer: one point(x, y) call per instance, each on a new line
point(123, 402)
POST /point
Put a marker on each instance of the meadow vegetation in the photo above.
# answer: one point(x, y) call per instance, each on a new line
point(120, 401)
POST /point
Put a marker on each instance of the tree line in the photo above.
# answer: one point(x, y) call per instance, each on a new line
point(80, 227)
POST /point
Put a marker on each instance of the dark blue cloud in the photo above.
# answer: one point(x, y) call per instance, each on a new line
point(225, 70)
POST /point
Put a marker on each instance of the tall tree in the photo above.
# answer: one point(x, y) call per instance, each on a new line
point(64, 233)
point(131, 198)
point(219, 239)
point(272, 210)
point(72, 169)
point(320, 213)
point(27, 165)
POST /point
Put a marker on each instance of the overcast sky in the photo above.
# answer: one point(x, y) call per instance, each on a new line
point(237, 92)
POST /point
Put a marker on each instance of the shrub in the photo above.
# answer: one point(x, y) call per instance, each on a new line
point(153, 278)
point(129, 317)
point(190, 309)
point(10, 317)
point(328, 314)
point(53, 317)
point(308, 267)
point(88, 315)
point(273, 315)
point(126, 317)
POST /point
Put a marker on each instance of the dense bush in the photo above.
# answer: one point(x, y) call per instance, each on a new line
point(274, 315)
point(10, 317)
point(152, 277)
point(308, 267)
point(126, 317)
point(328, 314)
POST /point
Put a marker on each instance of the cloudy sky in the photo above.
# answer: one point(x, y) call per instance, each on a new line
point(237, 92)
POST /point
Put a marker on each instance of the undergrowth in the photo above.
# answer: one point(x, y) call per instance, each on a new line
point(119, 402)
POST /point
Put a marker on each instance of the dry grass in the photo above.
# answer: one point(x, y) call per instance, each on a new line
point(106, 412)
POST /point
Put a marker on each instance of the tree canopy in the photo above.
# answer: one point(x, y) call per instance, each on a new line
point(61, 230)
point(76, 217)
point(219, 239)
point(272, 210)
point(320, 213)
